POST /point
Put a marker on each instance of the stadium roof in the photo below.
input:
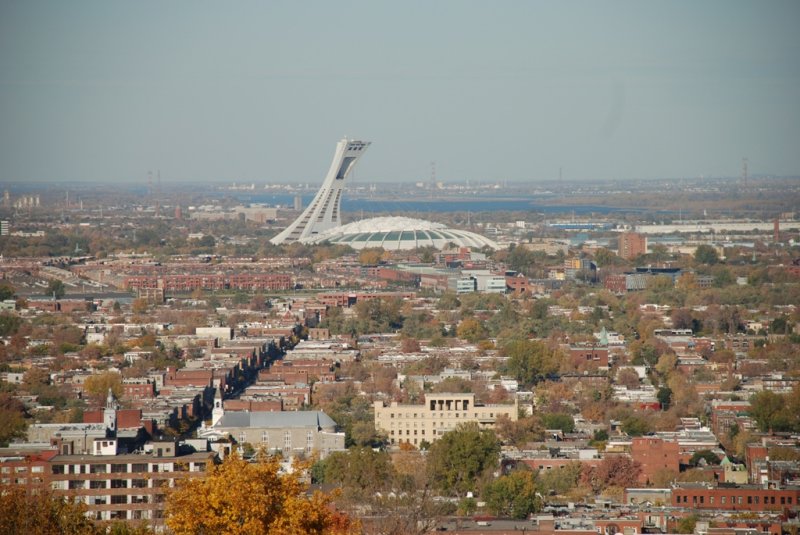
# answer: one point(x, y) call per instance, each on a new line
point(400, 233)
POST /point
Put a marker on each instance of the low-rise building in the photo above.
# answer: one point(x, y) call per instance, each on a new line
point(411, 424)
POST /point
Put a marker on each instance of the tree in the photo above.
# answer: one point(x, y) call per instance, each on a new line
point(559, 420)
point(706, 455)
point(461, 456)
point(471, 330)
point(520, 432)
point(370, 256)
point(664, 397)
point(9, 324)
point(771, 411)
point(635, 425)
point(6, 291)
point(139, 306)
point(241, 498)
point(56, 289)
point(12, 418)
point(360, 471)
point(96, 386)
point(628, 378)
point(706, 254)
point(42, 513)
point(529, 361)
point(514, 495)
point(613, 471)
point(686, 524)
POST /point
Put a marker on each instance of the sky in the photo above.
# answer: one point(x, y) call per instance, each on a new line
point(491, 91)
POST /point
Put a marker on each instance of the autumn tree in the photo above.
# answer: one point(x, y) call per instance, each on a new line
point(12, 418)
point(628, 378)
point(613, 470)
point(370, 256)
point(471, 330)
point(42, 514)
point(520, 432)
point(241, 498)
point(460, 457)
point(96, 386)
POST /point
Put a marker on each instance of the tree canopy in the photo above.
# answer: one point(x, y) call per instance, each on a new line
point(460, 457)
point(237, 497)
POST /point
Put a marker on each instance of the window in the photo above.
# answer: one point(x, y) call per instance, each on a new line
point(119, 468)
point(139, 483)
point(119, 499)
point(119, 483)
point(58, 468)
point(139, 467)
point(97, 484)
point(97, 469)
point(722, 500)
point(37, 469)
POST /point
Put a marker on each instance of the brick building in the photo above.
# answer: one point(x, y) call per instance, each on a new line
point(742, 498)
point(631, 245)
point(655, 455)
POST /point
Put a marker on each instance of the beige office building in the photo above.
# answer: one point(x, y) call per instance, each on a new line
point(439, 414)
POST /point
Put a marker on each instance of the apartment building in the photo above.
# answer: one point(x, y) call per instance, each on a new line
point(113, 486)
point(439, 414)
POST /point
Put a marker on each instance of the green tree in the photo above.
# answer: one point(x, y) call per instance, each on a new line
point(772, 412)
point(9, 324)
point(558, 420)
point(514, 495)
point(6, 291)
point(706, 254)
point(56, 288)
point(664, 396)
point(358, 470)
point(460, 457)
point(635, 425)
point(530, 361)
point(686, 524)
point(709, 456)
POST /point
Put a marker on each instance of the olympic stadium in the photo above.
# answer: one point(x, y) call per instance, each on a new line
point(321, 220)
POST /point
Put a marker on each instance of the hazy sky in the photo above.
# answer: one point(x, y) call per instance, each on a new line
point(261, 91)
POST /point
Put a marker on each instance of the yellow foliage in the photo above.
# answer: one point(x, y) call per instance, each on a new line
point(242, 498)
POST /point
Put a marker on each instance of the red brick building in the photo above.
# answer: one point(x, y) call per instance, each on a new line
point(744, 498)
point(655, 455)
point(631, 245)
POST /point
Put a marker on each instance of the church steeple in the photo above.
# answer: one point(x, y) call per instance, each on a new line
point(110, 414)
point(218, 411)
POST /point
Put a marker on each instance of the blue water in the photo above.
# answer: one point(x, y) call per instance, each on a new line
point(487, 204)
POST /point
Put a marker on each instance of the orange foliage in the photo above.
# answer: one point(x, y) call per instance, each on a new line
point(242, 498)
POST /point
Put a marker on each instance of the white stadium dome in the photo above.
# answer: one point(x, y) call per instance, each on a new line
point(399, 233)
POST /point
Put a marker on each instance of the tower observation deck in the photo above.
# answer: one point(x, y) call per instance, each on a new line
point(324, 212)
